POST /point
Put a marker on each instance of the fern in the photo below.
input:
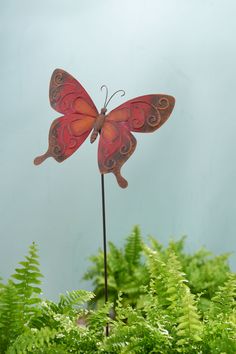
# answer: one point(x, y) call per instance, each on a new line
point(189, 328)
point(27, 280)
point(73, 299)
point(126, 271)
point(1, 284)
point(224, 301)
point(134, 333)
point(206, 272)
point(97, 320)
point(32, 340)
point(220, 328)
point(157, 294)
point(18, 299)
point(174, 299)
point(10, 315)
point(64, 314)
point(133, 248)
point(220, 334)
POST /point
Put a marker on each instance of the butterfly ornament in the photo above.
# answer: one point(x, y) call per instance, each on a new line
point(143, 114)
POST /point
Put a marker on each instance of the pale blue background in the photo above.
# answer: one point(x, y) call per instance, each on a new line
point(181, 178)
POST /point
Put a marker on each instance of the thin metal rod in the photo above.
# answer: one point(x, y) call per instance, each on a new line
point(104, 245)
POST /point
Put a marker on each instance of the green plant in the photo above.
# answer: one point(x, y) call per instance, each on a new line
point(169, 321)
point(19, 297)
point(158, 305)
point(128, 273)
point(30, 325)
point(220, 320)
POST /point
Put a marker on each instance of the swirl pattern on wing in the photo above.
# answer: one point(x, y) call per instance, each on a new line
point(144, 114)
point(67, 95)
point(116, 145)
point(65, 136)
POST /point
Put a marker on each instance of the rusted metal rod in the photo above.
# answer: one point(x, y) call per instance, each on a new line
point(104, 245)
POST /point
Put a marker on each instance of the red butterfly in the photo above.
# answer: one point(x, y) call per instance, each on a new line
point(142, 114)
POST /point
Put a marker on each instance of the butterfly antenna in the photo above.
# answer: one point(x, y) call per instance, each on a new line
point(122, 94)
point(102, 87)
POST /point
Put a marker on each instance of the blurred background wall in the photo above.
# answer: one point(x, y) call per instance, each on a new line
point(181, 178)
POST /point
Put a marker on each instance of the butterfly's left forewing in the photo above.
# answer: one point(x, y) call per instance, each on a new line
point(143, 114)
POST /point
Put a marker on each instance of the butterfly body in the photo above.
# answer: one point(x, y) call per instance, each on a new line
point(99, 122)
point(143, 114)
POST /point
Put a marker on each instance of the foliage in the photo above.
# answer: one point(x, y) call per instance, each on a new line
point(19, 297)
point(128, 273)
point(165, 302)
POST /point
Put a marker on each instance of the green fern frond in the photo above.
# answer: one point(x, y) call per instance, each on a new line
point(1, 284)
point(115, 259)
point(97, 320)
point(189, 328)
point(159, 279)
point(155, 245)
point(174, 298)
point(133, 248)
point(73, 299)
point(27, 281)
point(10, 316)
point(97, 264)
point(177, 246)
point(156, 268)
point(121, 310)
point(175, 280)
point(63, 314)
point(220, 334)
point(132, 333)
point(32, 340)
point(224, 302)
point(205, 272)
